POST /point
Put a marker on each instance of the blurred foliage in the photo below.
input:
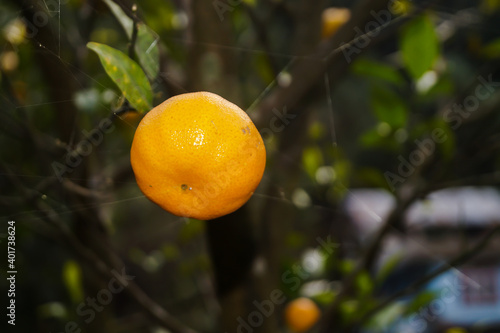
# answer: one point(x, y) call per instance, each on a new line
point(393, 95)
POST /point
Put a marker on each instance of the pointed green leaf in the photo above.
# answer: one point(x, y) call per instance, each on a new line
point(419, 46)
point(191, 230)
point(325, 298)
point(370, 68)
point(490, 6)
point(386, 317)
point(146, 48)
point(492, 49)
point(364, 284)
point(312, 159)
point(371, 177)
point(421, 300)
point(388, 267)
point(127, 74)
point(122, 17)
point(146, 45)
point(72, 276)
point(52, 310)
point(388, 106)
point(442, 127)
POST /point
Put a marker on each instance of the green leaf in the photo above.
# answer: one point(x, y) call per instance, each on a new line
point(370, 68)
point(127, 75)
point(347, 266)
point(443, 87)
point(386, 317)
point(349, 309)
point(388, 106)
point(419, 46)
point(388, 267)
point(370, 138)
point(191, 229)
point(490, 6)
point(263, 67)
point(295, 240)
point(325, 298)
point(371, 177)
point(492, 49)
point(317, 130)
point(312, 159)
point(52, 310)
point(146, 45)
point(122, 17)
point(373, 139)
point(419, 301)
point(72, 277)
point(171, 252)
point(146, 48)
point(364, 284)
point(439, 125)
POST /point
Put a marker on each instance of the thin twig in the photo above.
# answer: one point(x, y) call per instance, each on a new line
point(370, 253)
point(133, 39)
point(80, 190)
point(160, 315)
point(262, 34)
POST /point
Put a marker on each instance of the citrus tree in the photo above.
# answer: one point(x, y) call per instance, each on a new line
point(247, 123)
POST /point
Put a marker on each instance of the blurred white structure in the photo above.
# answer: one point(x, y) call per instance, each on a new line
point(438, 228)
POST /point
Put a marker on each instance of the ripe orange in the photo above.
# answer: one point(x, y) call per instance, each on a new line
point(301, 314)
point(332, 19)
point(198, 155)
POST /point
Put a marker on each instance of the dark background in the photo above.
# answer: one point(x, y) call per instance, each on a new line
point(352, 116)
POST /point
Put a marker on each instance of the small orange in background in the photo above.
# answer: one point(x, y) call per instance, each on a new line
point(130, 118)
point(332, 19)
point(301, 314)
point(127, 122)
point(198, 155)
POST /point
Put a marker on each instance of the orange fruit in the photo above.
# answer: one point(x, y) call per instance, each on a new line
point(332, 19)
point(130, 118)
point(128, 122)
point(301, 314)
point(198, 155)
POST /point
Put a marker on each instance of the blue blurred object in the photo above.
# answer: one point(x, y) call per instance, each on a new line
point(436, 229)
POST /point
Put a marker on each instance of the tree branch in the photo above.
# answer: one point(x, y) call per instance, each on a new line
point(457, 261)
point(160, 315)
point(133, 39)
